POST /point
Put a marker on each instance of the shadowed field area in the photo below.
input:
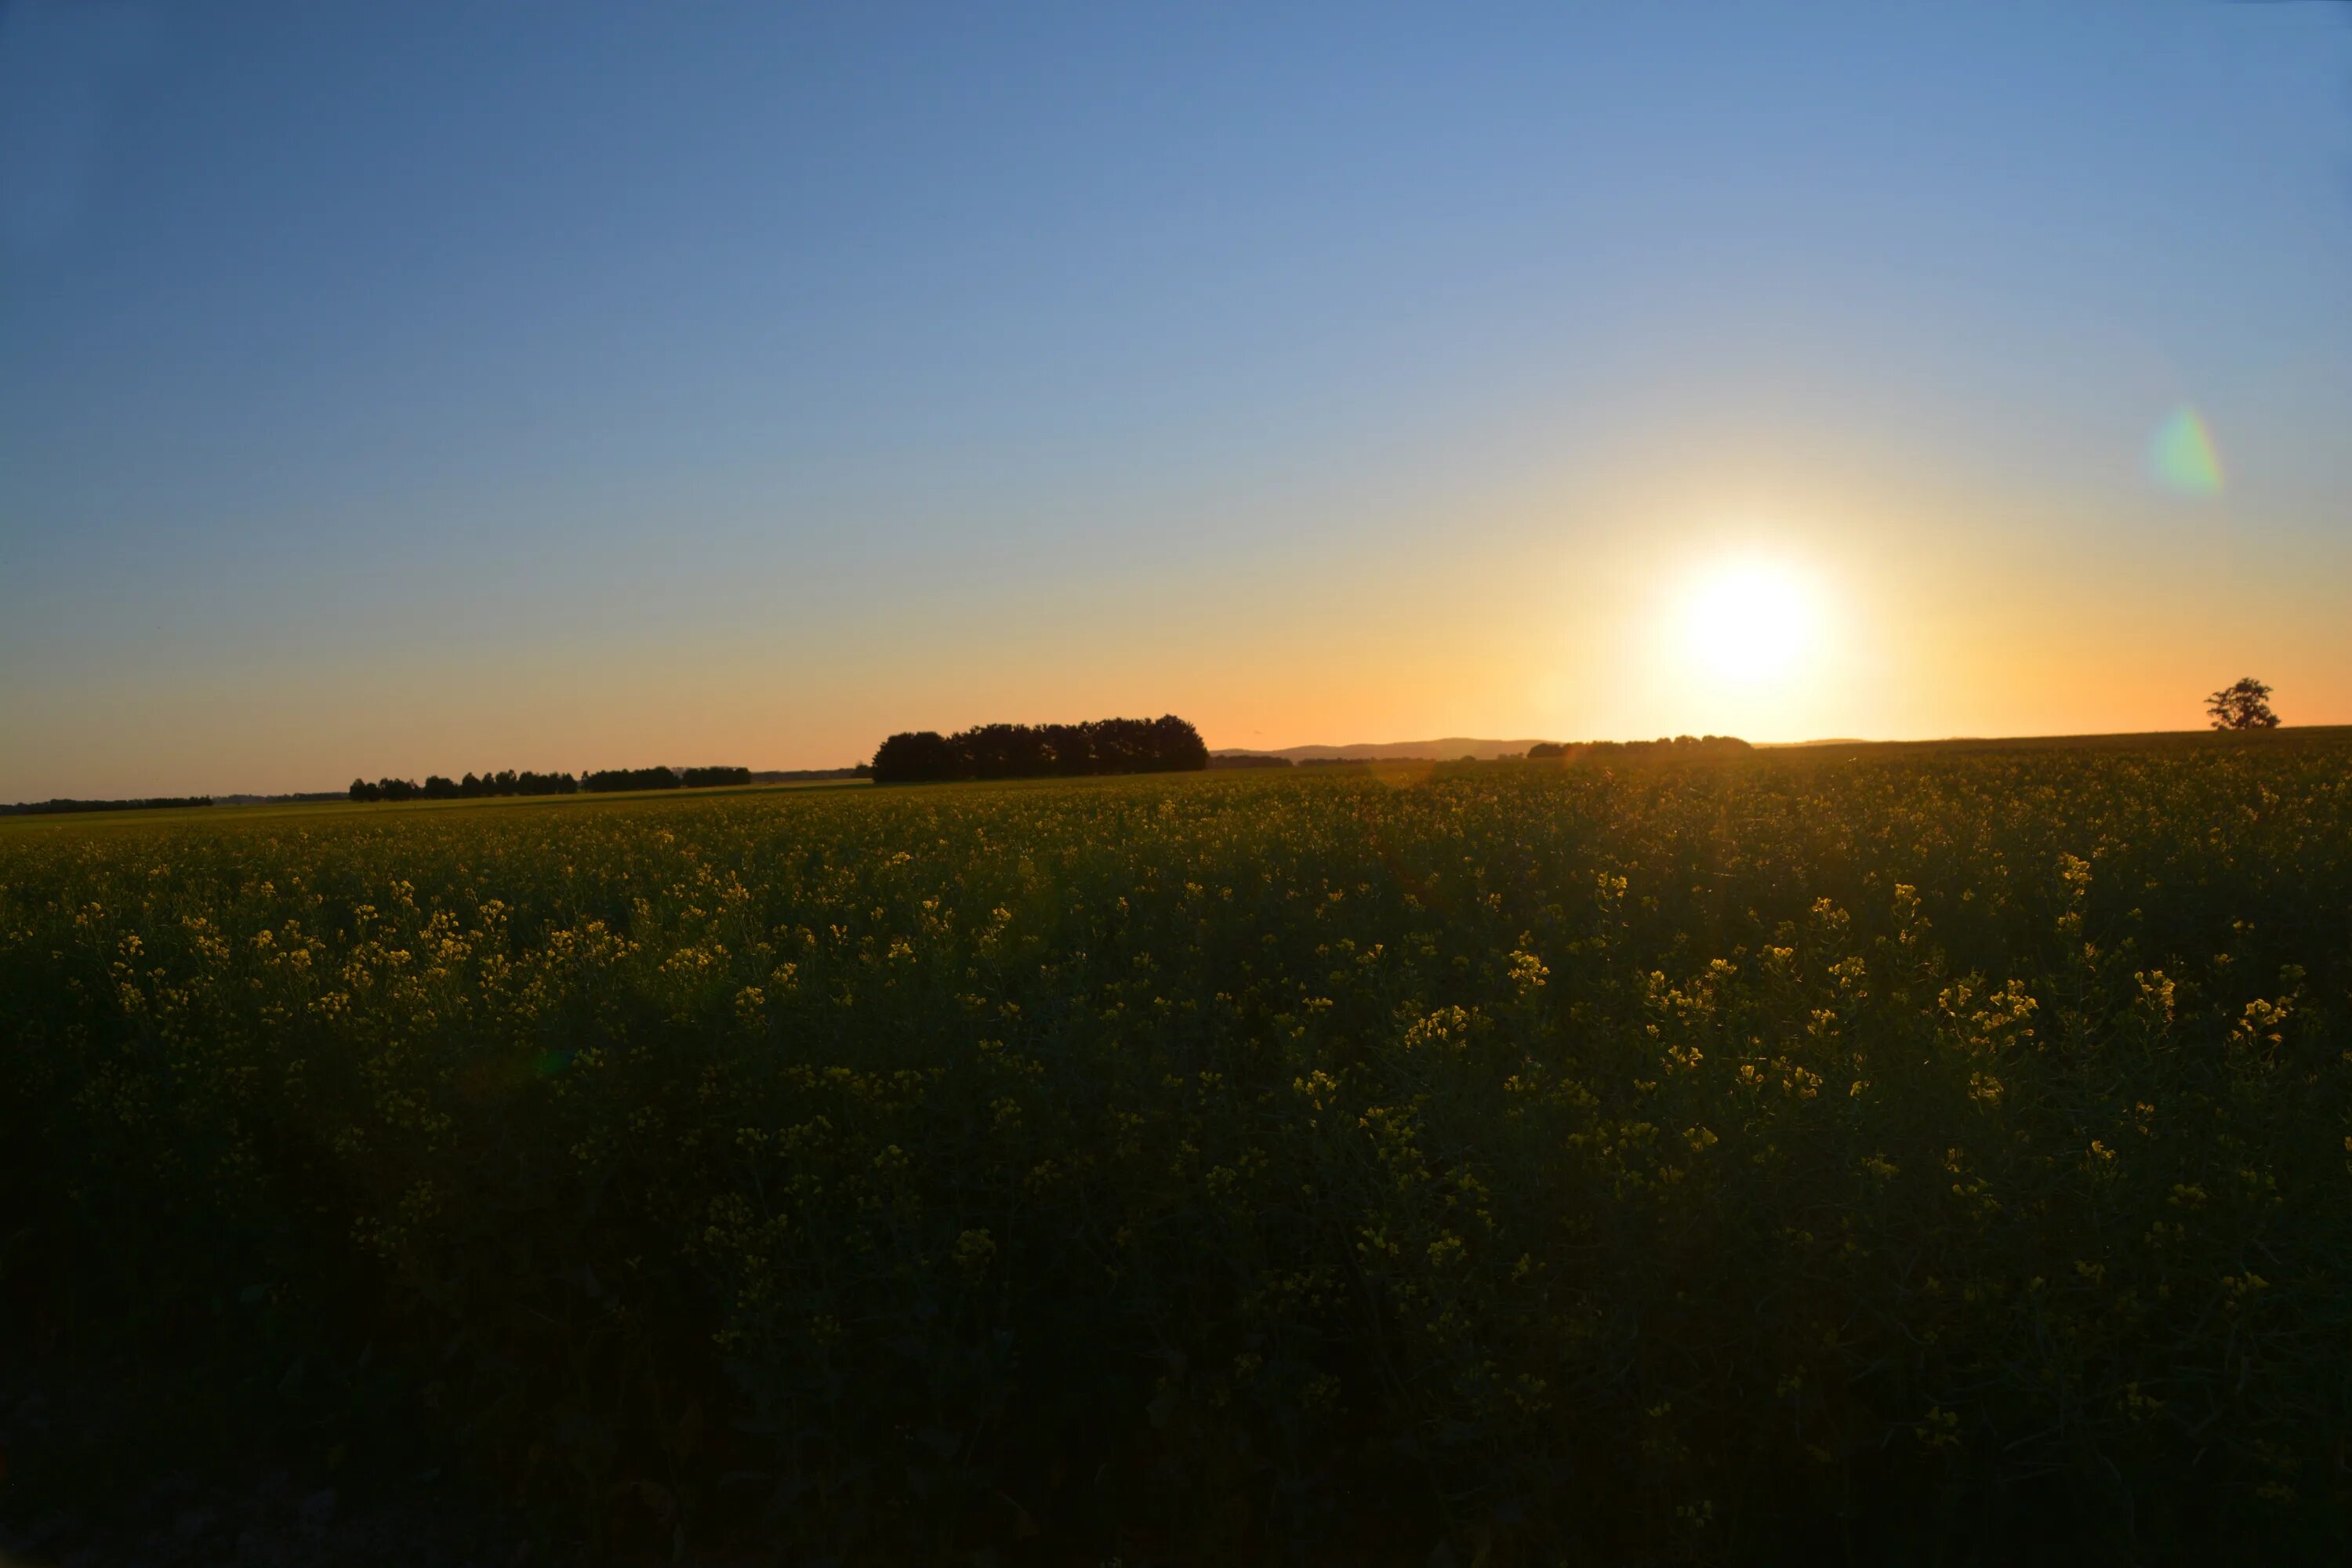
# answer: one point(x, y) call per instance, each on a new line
point(1877, 1154)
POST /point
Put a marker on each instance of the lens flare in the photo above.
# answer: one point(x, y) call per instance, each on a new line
point(2182, 456)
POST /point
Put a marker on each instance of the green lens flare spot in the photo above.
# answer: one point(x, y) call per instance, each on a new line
point(2182, 456)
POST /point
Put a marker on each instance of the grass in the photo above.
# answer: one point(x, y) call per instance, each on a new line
point(1926, 1154)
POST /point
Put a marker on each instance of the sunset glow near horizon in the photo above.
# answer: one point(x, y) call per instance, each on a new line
point(419, 392)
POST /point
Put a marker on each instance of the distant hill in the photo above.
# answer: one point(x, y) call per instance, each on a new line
point(1446, 750)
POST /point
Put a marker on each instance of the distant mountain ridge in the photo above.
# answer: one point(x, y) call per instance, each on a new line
point(1446, 750)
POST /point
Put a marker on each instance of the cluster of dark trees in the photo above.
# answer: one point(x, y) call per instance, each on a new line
point(54, 807)
point(607, 781)
point(1165, 744)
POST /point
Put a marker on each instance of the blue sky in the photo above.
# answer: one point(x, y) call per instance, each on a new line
point(419, 388)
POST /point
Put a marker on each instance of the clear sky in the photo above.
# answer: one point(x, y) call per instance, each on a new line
point(395, 389)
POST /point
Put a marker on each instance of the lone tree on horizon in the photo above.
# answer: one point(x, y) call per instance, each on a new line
point(2244, 706)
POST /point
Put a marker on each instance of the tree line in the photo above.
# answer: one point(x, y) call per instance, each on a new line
point(59, 806)
point(507, 782)
point(612, 779)
point(1165, 744)
point(471, 788)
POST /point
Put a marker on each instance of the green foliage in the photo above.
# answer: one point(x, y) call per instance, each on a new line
point(1776, 1157)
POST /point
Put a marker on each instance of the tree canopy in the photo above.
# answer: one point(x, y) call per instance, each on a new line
point(2245, 704)
point(1165, 744)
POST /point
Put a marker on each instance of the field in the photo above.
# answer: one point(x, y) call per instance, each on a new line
point(1883, 1155)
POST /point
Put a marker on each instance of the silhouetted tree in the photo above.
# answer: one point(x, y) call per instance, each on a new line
point(2245, 705)
point(920, 756)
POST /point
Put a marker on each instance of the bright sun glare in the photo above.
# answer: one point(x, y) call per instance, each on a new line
point(1750, 621)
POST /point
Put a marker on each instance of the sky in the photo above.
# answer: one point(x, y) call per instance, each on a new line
point(394, 390)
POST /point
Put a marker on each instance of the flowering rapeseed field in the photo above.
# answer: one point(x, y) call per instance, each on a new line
point(1897, 1157)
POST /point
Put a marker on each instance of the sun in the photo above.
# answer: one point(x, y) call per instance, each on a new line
point(1750, 621)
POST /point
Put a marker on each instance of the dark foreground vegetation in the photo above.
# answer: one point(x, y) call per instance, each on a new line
point(1900, 1157)
point(1161, 745)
